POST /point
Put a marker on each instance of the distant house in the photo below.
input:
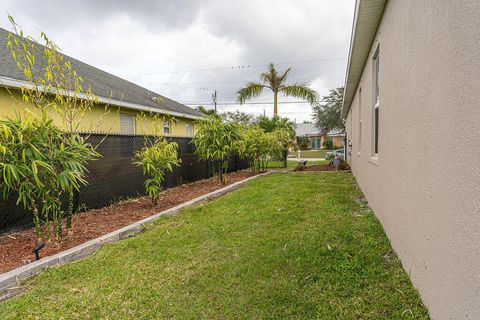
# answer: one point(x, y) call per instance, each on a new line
point(126, 98)
point(412, 110)
point(317, 139)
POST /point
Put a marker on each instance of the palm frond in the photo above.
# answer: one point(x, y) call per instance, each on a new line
point(270, 77)
point(302, 91)
point(251, 90)
point(284, 76)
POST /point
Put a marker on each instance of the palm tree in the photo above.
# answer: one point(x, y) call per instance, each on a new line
point(276, 82)
point(208, 112)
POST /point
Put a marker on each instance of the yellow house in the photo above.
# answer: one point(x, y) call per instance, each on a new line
point(123, 107)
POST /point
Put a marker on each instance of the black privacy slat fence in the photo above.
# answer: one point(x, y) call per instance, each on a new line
point(113, 177)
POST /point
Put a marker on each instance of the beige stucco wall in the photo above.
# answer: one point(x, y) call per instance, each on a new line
point(425, 185)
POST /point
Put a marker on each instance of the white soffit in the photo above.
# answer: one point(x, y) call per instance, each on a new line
point(368, 14)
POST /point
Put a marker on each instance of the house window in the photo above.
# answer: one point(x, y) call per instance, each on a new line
point(360, 120)
point(127, 123)
point(167, 127)
point(315, 143)
point(189, 129)
point(376, 102)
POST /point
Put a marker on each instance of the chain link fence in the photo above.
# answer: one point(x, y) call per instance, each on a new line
point(113, 177)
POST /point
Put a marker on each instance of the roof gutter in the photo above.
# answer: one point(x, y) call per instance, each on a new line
point(14, 83)
point(368, 14)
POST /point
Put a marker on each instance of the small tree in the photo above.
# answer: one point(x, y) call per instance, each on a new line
point(278, 123)
point(156, 159)
point(252, 145)
point(158, 155)
point(328, 114)
point(260, 147)
point(208, 112)
point(214, 141)
point(54, 86)
point(303, 143)
point(238, 117)
point(40, 165)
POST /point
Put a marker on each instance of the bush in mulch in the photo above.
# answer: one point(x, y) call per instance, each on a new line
point(16, 248)
point(343, 165)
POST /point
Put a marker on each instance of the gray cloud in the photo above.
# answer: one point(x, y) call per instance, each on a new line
point(154, 43)
point(156, 14)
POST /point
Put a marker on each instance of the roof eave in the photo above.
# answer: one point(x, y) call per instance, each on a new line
point(18, 84)
point(365, 24)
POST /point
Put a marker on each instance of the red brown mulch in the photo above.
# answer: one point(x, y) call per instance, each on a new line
point(16, 248)
point(317, 167)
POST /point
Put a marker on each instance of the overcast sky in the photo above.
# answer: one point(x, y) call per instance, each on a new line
point(186, 49)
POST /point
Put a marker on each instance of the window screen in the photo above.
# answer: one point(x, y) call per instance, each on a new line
point(127, 123)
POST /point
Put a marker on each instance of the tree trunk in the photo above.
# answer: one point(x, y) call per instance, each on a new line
point(275, 108)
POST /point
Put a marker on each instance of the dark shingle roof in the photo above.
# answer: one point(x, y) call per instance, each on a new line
point(103, 84)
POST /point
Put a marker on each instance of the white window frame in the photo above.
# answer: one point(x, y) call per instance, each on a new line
point(376, 104)
point(132, 117)
point(167, 127)
point(187, 126)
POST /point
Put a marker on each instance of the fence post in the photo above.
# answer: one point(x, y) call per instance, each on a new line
point(207, 169)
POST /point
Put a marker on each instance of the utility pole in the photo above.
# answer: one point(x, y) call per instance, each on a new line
point(214, 99)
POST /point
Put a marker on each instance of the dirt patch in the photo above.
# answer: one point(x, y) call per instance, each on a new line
point(317, 167)
point(16, 248)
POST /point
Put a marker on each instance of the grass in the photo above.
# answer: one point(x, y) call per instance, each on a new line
point(310, 153)
point(285, 246)
point(292, 163)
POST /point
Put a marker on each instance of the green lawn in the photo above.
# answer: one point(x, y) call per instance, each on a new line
point(310, 153)
point(285, 246)
point(292, 163)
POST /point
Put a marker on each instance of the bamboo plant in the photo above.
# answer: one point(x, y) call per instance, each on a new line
point(214, 141)
point(53, 87)
point(40, 165)
point(157, 158)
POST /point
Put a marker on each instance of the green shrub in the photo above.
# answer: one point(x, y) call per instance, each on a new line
point(40, 163)
point(328, 144)
point(67, 95)
point(255, 145)
point(343, 165)
point(214, 140)
point(259, 147)
point(156, 158)
point(303, 143)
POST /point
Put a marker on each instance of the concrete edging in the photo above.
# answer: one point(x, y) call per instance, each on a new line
point(9, 281)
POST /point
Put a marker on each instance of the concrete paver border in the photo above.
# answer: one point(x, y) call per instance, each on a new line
point(10, 281)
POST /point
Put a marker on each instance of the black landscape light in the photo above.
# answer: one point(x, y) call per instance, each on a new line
point(37, 249)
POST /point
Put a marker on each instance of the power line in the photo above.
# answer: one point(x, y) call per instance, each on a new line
point(189, 103)
point(284, 112)
point(237, 67)
point(173, 84)
point(281, 112)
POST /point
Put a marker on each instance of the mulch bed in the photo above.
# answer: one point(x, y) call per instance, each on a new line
point(317, 167)
point(16, 248)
